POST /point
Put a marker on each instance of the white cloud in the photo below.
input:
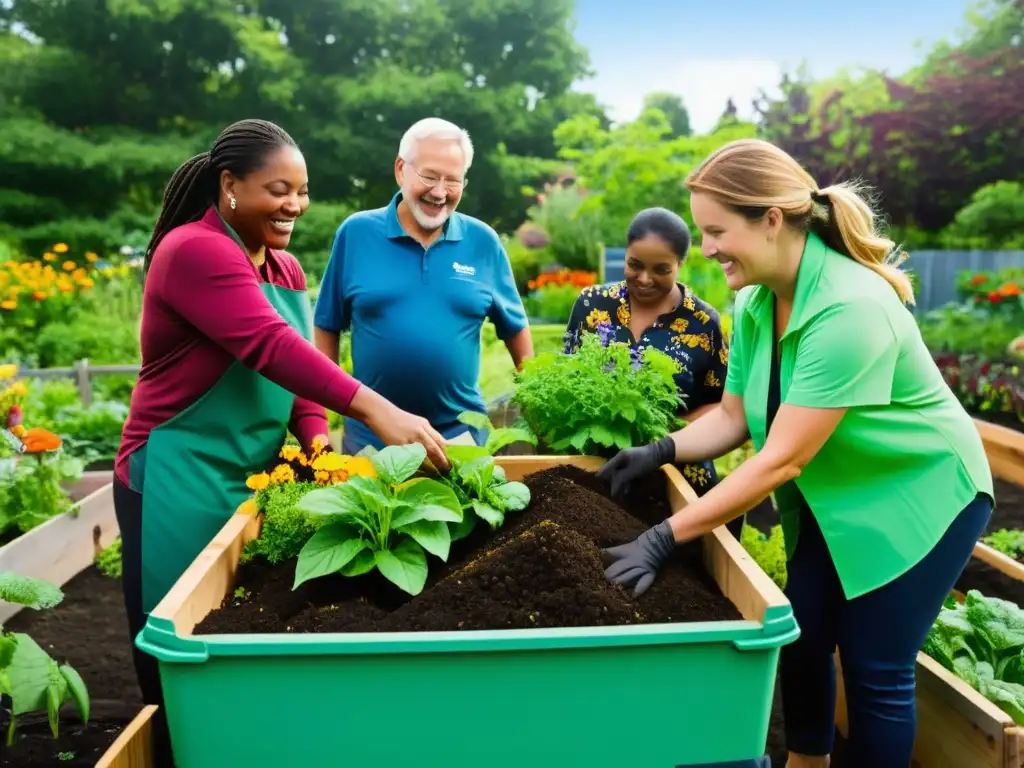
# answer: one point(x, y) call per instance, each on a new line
point(704, 84)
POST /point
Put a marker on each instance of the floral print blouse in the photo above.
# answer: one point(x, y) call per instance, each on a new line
point(691, 334)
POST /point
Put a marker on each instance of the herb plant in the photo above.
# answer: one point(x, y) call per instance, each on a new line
point(484, 493)
point(1008, 541)
point(497, 437)
point(28, 674)
point(981, 641)
point(603, 398)
point(388, 522)
point(109, 560)
point(769, 552)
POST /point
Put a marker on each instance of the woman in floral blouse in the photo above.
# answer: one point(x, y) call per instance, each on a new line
point(651, 308)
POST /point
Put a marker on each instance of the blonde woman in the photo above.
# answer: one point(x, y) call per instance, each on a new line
point(879, 474)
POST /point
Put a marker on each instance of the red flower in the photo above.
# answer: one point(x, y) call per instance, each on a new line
point(13, 416)
point(995, 297)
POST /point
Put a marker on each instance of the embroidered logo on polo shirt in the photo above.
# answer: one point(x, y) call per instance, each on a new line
point(463, 269)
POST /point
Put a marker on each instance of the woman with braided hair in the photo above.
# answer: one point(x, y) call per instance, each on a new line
point(227, 365)
point(879, 475)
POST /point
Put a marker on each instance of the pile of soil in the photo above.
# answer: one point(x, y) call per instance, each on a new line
point(543, 568)
point(89, 631)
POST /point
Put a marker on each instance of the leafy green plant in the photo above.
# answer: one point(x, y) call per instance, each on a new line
point(32, 489)
point(109, 560)
point(497, 437)
point(603, 398)
point(286, 528)
point(28, 674)
point(1009, 541)
point(982, 642)
point(388, 522)
point(769, 552)
point(484, 493)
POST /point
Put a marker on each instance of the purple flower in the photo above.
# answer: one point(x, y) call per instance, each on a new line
point(605, 333)
point(636, 359)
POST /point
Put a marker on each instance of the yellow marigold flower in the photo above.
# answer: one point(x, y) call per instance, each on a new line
point(50, 256)
point(18, 389)
point(8, 371)
point(339, 476)
point(322, 477)
point(258, 482)
point(329, 462)
point(282, 474)
point(69, 266)
point(18, 430)
point(90, 256)
point(60, 248)
point(247, 507)
point(361, 466)
point(291, 452)
point(9, 304)
point(318, 444)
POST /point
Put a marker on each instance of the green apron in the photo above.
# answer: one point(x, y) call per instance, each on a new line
point(192, 471)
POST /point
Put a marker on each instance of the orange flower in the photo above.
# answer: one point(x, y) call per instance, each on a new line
point(60, 248)
point(69, 266)
point(8, 304)
point(38, 440)
point(258, 482)
point(48, 256)
point(1010, 289)
point(90, 256)
point(39, 295)
point(977, 280)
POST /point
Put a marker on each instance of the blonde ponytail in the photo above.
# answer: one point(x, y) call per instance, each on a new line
point(753, 175)
point(850, 229)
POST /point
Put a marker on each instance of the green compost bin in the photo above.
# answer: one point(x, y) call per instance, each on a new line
point(646, 696)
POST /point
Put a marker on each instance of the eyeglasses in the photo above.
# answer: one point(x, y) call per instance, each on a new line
point(432, 181)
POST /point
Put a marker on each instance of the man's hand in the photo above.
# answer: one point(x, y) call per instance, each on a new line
point(626, 466)
point(636, 564)
point(398, 427)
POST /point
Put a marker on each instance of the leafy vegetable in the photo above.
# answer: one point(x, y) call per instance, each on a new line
point(484, 493)
point(388, 522)
point(769, 552)
point(497, 437)
point(1006, 540)
point(601, 399)
point(286, 528)
point(109, 560)
point(28, 674)
point(982, 642)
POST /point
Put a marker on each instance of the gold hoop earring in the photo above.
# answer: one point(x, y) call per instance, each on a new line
point(234, 203)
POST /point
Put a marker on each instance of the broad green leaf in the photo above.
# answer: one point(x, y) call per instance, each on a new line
point(500, 438)
point(328, 550)
point(499, 475)
point(511, 497)
point(432, 535)
point(478, 473)
point(30, 675)
point(76, 687)
point(372, 494)
point(405, 566)
point(362, 563)
point(367, 451)
point(579, 440)
point(475, 419)
point(494, 517)
point(459, 531)
point(32, 593)
point(397, 463)
point(336, 500)
point(465, 453)
point(7, 646)
point(428, 500)
point(602, 435)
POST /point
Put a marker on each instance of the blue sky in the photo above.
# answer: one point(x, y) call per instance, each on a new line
point(709, 50)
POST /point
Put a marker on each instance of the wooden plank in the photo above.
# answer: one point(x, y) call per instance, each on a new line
point(999, 561)
point(956, 726)
point(518, 467)
point(133, 748)
point(61, 548)
point(1005, 450)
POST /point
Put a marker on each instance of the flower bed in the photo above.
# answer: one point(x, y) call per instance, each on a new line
point(520, 621)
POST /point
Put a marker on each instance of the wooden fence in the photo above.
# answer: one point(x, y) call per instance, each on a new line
point(936, 271)
point(81, 372)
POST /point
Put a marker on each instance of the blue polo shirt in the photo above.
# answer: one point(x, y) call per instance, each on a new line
point(416, 314)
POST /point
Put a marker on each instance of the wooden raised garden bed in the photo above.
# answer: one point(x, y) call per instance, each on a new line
point(538, 689)
point(957, 727)
point(134, 747)
point(87, 629)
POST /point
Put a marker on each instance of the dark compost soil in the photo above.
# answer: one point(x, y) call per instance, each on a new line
point(541, 569)
point(89, 631)
point(1009, 513)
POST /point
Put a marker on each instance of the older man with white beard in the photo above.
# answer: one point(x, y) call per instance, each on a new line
point(414, 281)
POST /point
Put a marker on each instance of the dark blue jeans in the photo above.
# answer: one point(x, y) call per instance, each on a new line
point(878, 636)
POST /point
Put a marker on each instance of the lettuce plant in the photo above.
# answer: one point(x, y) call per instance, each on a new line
point(388, 522)
point(981, 641)
point(1009, 541)
point(603, 398)
point(32, 679)
point(497, 437)
point(484, 493)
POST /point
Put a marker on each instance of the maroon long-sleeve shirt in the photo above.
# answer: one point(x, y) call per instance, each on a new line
point(202, 309)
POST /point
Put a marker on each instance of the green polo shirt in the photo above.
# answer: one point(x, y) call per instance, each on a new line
point(905, 459)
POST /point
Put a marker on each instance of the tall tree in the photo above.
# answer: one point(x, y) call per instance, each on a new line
point(675, 111)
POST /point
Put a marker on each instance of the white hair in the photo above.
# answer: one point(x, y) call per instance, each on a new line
point(434, 127)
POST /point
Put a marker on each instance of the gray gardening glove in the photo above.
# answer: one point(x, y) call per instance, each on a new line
point(636, 564)
point(626, 466)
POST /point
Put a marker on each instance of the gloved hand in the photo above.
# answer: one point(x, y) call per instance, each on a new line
point(636, 564)
point(628, 465)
